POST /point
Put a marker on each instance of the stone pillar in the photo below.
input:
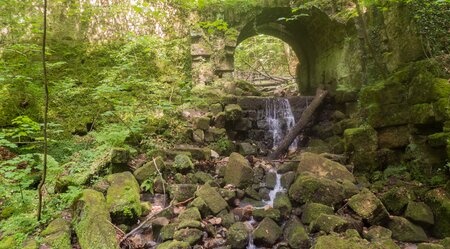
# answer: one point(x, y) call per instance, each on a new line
point(201, 52)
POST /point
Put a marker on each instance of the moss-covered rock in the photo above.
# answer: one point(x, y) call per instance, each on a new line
point(266, 233)
point(233, 112)
point(369, 207)
point(182, 192)
point(404, 230)
point(396, 199)
point(238, 236)
point(201, 205)
point(173, 244)
point(168, 231)
point(363, 138)
point(189, 224)
point(394, 137)
point(282, 203)
point(323, 167)
point(419, 213)
point(295, 234)
point(329, 223)
point(189, 235)
point(212, 198)
point(8, 242)
point(261, 213)
point(123, 198)
point(119, 160)
point(147, 170)
point(429, 246)
point(182, 164)
point(238, 171)
point(57, 234)
point(311, 211)
point(191, 213)
point(203, 123)
point(378, 233)
point(336, 242)
point(439, 202)
point(92, 222)
point(308, 189)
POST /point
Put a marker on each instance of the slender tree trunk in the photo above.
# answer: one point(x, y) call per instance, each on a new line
point(300, 125)
point(44, 65)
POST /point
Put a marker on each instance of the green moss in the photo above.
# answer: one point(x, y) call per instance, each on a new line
point(283, 204)
point(182, 164)
point(420, 213)
point(238, 171)
point(296, 235)
point(168, 231)
point(329, 223)
point(92, 222)
point(336, 242)
point(396, 199)
point(189, 235)
point(266, 233)
point(429, 246)
point(312, 211)
point(123, 197)
point(261, 213)
point(238, 235)
point(404, 230)
point(369, 207)
point(439, 202)
point(212, 198)
point(57, 234)
point(438, 139)
point(233, 112)
point(173, 244)
point(190, 214)
point(147, 170)
point(7, 243)
point(363, 138)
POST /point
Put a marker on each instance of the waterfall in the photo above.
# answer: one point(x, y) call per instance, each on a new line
point(280, 119)
point(273, 193)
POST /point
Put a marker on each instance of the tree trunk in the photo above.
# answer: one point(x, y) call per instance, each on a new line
point(304, 120)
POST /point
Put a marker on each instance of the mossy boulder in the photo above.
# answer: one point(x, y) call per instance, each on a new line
point(308, 189)
point(439, 202)
point(311, 211)
point(430, 246)
point(323, 167)
point(203, 123)
point(123, 198)
point(182, 164)
point(238, 236)
point(363, 138)
point(149, 169)
point(336, 242)
point(119, 158)
point(233, 112)
point(201, 206)
point(182, 192)
point(212, 198)
point(189, 235)
point(378, 233)
point(282, 203)
point(404, 230)
point(168, 231)
point(173, 244)
point(261, 213)
point(396, 199)
point(191, 213)
point(238, 171)
point(267, 233)
point(8, 243)
point(420, 213)
point(369, 207)
point(295, 234)
point(329, 223)
point(57, 234)
point(189, 224)
point(92, 222)
point(394, 137)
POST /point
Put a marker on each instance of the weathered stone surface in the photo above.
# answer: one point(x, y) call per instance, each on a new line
point(329, 223)
point(196, 152)
point(119, 159)
point(182, 192)
point(396, 199)
point(167, 232)
point(363, 138)
point(335, 242)
point(260, 214)
point(378, 233)
point(283, 204)
point(295, 234)
point(323, 167)
point(238, 236)
point(203, 123)
point(419, 213)
point(123, 198)
point(216, 108)
point(243, 124)
point(233, 112)
point(307, 189)
point(369, 207)
point(247, 149)
point(266, 233)
point(439, 202)
point(220, 120)
point(287, 179)
point(182, 164)
point(212, 198)
point(270, 179)
point(148, 169)
point(57, 234)
point(394, 137)
point(238, 171)
point(198, 136)
point(190, 214)
point(173, 244)
point(430, 246)
point(92, 222)
point(404, 230)
point(189, 235)
point(311, 211)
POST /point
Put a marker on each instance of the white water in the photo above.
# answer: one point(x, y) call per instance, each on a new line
point(280, 119)
point(250, 224)
point(273, 193)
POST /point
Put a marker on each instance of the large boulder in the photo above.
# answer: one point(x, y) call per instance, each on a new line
point(311, 211)
point(92, 222)
point(282, 203)
point(361, 143)
point(439, 202)
point(308, 189)
point(123, 198)
point(394, 137)
point(149, 169)
point(57, 234)
point(369, 207)
point(396, 199)
point(323, 167)
point(238, 171)
point(336, 242)
point(404, 230)
point(238, 236)
point(329, 223)
point(266, 233)
point(212, 198)
point(233, 112)
point(419, 213)
point(189, 235)
point(182, 192)
point(295, 234)
point(119, 158)
point(182, 164)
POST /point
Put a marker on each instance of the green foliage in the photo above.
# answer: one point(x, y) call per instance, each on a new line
point(223, 146)
point(148, 184)
point(217, 25)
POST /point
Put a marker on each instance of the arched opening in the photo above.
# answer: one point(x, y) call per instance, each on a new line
point(269, 63)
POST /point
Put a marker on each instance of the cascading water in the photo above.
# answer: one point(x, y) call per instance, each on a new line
point(280, 120)
point(273, 193)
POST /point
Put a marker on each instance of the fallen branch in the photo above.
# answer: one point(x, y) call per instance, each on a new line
point(304, 120)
